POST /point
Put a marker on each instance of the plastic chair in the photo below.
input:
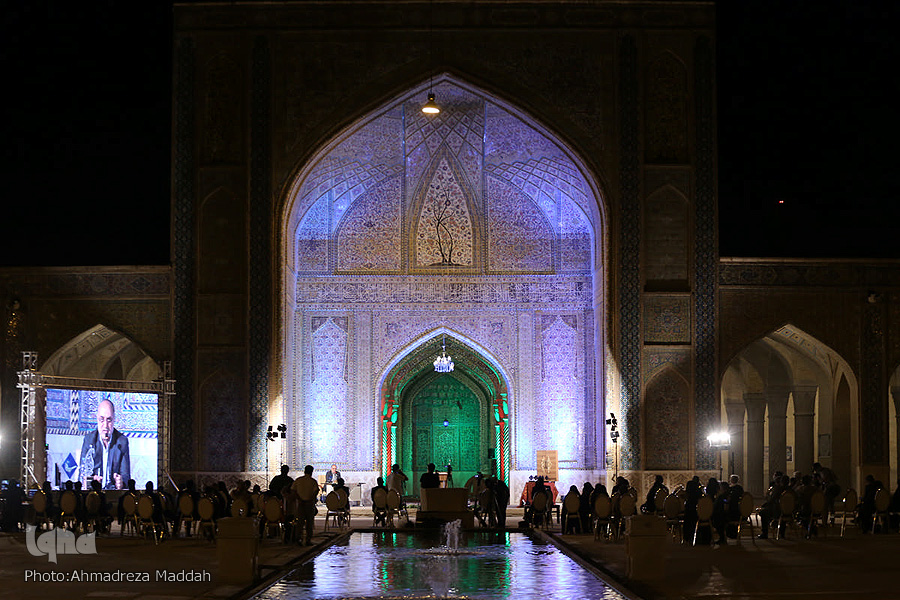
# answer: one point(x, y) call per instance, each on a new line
point(673, 508)
point(848, 510)
point(704, 517)
point(659, 502)
point(602, 512)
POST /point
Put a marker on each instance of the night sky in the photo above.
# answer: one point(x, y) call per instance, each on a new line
point(807, 123)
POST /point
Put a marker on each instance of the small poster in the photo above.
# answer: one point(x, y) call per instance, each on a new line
point(547, 464)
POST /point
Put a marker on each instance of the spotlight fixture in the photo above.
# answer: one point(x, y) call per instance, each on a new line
point(719, 440)
point(431, 107)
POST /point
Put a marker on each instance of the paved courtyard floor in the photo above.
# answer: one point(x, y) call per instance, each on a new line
point(856, 566)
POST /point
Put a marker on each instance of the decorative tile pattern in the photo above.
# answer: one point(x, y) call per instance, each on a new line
point(328, 416)
point(873, 387)
point(221, 422)
point(705, 259)
point(523, 239)
point(561, 389)
point(656, 359)
point(629, 265)
point(667, 319)
point(574, 239)
point(369, 237)
point(666, 113)
point(312, 237)
point(183, 268)
point(260, 251)
point(667, 422)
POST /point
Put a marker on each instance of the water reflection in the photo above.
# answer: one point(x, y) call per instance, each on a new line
point(394, 564)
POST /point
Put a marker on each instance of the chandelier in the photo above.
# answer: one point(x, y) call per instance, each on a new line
point(443, 363)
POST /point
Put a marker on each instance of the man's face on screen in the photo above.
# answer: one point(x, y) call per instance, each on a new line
point(105, 416)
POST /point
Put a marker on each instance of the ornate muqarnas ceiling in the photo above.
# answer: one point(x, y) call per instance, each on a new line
point(476, 188)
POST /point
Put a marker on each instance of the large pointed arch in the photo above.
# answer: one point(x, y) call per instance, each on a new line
point(346, 203)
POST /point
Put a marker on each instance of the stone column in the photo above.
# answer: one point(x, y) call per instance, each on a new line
point(734, 412)
point(755, 404)
point(804, 427)
point(776, 402)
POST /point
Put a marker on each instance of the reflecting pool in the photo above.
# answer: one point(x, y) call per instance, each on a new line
point(395, 564)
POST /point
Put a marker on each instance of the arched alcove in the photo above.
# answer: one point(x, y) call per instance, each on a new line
point(476, 221)
point(789, 391)
point(102, 353)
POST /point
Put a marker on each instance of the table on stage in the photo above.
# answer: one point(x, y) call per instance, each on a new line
point(529, 486)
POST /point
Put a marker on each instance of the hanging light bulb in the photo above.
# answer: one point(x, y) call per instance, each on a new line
point(431, 107)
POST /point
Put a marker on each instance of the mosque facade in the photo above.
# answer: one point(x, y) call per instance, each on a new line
point(552, 230)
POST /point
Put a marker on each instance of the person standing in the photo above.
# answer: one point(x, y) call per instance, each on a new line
point(396, 480)
point(307, 490)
